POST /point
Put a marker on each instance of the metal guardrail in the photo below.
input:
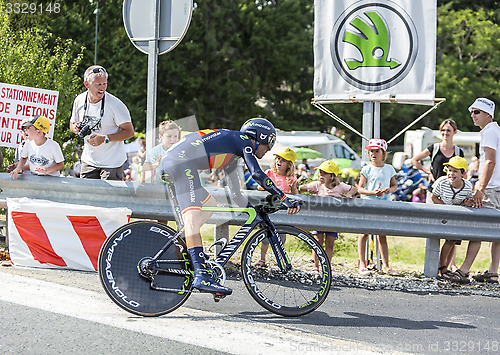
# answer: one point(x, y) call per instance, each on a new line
point(318, 213)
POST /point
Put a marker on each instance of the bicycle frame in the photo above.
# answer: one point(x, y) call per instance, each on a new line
point(255, 217)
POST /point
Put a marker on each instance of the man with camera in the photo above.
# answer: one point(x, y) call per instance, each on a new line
point(103, 122)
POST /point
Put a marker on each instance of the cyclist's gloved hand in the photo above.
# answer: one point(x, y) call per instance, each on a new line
point(289, 202)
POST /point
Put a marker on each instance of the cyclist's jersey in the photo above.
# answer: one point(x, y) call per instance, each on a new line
point(210, 149)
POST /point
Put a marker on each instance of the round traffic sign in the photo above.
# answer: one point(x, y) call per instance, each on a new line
point(173, 21)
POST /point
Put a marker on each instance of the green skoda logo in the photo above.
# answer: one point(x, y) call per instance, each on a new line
point(364, 49)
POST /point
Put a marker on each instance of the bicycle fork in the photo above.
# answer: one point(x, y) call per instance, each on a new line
point(278, 249)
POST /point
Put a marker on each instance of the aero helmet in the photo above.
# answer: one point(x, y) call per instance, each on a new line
point(261, 130)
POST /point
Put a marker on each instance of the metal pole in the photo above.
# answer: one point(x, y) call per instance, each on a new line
point(367, 126)
point(96, 28)
point(152, 81)
point(376, 119)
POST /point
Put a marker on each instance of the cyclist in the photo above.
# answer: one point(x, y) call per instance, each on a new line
point(217, 149)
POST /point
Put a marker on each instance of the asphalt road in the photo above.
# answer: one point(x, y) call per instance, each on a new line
point(52, 311)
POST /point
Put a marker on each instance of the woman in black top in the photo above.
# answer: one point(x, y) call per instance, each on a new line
point(446, 150)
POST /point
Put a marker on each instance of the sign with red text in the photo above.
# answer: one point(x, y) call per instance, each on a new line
point(21, 102)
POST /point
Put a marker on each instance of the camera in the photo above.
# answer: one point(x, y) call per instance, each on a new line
point(84, 127)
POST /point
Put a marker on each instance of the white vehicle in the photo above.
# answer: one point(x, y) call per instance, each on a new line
point(330, 146)
point(417, 140)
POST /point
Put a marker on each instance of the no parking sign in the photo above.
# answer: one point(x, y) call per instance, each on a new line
point(22, 102)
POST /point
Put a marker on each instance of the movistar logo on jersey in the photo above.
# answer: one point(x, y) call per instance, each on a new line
point(243, 136)
point(188, 174)
point(374, 44)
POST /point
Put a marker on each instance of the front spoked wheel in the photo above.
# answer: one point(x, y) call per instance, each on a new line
point(289, 293)
point(136, 284)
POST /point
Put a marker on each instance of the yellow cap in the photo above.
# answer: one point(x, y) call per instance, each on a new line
point(329, 167)
point(288, 154)
point(458, 163)
point(39, 122)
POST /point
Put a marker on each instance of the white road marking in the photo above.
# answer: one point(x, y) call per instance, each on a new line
point(205, 329)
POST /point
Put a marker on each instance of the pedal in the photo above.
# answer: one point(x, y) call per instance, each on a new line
point(218, 297)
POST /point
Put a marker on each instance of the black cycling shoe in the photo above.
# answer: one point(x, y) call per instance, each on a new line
point(204, 283)
point(203, 280)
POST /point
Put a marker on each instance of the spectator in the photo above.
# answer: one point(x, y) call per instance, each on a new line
point(377, 181)
point(487, 189)
point(473, 170)
point(169, 133)
point(282, 173)
point(104, 122)
point(19, 148)
point(43, 155)
point(452, 189)
point(141, 153)
point(420, 193)
point(440, 153)
point(328, 185)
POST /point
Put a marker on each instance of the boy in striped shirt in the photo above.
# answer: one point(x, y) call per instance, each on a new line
point(452, 189)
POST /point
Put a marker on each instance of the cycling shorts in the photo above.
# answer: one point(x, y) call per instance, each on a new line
point(187, 185)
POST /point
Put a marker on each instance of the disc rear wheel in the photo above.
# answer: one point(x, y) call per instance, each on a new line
point(136, 284)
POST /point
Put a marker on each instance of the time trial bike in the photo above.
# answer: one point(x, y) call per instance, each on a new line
point(145, 268)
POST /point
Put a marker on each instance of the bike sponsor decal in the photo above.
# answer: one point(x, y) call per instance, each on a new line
point(235, 242)
point(248, 272)
point(324, 277)
point(185, 284)
point(109, 274)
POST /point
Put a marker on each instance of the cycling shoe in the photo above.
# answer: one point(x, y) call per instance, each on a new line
point(204, 283)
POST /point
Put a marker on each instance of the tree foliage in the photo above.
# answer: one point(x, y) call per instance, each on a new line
point(27, 59)
point(244, 58)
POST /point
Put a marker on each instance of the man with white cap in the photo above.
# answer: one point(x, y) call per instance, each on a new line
point(487, 188)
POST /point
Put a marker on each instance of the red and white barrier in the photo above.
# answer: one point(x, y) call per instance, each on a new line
point(58, 235)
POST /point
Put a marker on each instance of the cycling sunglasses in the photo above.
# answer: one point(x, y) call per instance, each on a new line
point(98, 70)
point(476, 112)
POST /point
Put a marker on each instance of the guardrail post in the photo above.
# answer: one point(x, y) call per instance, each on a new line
point(431, 257)
point(220, 231)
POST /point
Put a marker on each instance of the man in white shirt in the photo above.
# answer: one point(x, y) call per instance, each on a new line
point(104, 122)
point(487, 188)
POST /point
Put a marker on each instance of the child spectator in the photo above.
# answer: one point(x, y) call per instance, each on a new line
point(282, 173)
point(169, 133)
point(19, 148)
point(420, 193)
point(377, 181)
point(452, 189)
point(327, 185)
point(43, 155)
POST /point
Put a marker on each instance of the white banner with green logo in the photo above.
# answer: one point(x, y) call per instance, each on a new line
point(374, 51)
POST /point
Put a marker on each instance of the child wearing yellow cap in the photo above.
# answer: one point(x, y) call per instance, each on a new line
point(452, 189)
point(327, 185)
point(282, 173)
point(43, 155)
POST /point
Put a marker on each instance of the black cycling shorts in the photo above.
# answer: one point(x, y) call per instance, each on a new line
point(188, 190)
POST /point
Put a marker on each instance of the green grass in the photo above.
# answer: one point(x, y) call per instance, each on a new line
point(405, 253)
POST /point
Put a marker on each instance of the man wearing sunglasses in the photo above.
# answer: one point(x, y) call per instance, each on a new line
point(487, 189)
point(103, 122)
